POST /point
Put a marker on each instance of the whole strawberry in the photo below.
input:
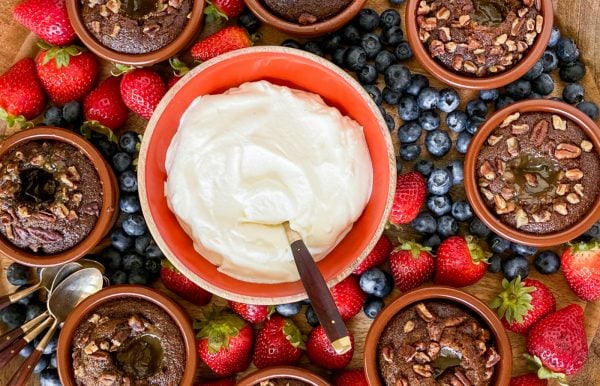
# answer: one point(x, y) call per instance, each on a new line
point(412, 264)
point(174, 281)
point(104, 104)
point(527, 380)
point(558, 343)
point(461, 261)
point(21, 94)
point(225, 342)
point(321, 353)
point(279, 342)
point(67, 74)
point(351, 378)
point(141, 91)
point(348, 297)
point(581, 265)
point(47, 19)
point(225, 40)
point(224, 9)
point(521, 304)
point(251, 312)
point(377, 256)
point(409, 198)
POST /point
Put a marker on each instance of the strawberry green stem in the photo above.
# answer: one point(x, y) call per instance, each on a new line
point(213, 13)
point(18, 121)
point(293, 334)
point(414, 248)
point(220, 326)
point(514, 302)
point(478, 254)
point(535, 363)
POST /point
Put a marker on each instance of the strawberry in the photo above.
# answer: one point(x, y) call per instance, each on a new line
point(21, 94)
point(223, 9)
point(225, 40)
point(321, 353)
point(521, 304)
point(251, 312)
point(225, 342)
point(412, 264)
point(461, 261)
point(377, 256)
point(47, 19)
point(67, 74)
point(351, 378)
point(279, 342)
point(179, 70)
point(174, 281)
point(104, 104)
point(557, 343)
point(141, 90)
point(217, 382)
point(527, 380)
point(581, 266)
point(409, 198)
point(348, 297)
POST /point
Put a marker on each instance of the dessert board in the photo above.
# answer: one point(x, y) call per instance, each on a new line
point(359, 325)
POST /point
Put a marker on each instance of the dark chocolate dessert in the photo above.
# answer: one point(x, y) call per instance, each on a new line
point(306, 11)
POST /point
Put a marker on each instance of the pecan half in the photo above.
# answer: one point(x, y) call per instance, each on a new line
point(387, 353)
point(567, 151)
point(558, 123)
point(435, 331)
point(520, 129)
point(443, 14)
point(586, 146)
point(409, 326)
point(542, 217)
point(454, 321)
point(573, 198)
point(562, 189)
point(433, 349)
point(512, 145)
point(470, 66)
point(574, 174)
point(516, 26)
point(424, 312)
point(444, 34)
point(578, 188)
point(491, 357)
point(560, 207)
point(426, 371)
point(421, 358)
point(424, 8)
point(539, 132)
point(521, 218)
point(539, 23)
point(510, 119)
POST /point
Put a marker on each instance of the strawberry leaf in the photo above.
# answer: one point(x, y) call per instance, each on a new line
point(478, 253)
point(179, 67)
point(293, 334)
point(213, 13)
point(514, 302)
point(414, 248)
point(220, 326)
point(94, 126)
point(121, 69)
point(543, 372)
point(18, 121)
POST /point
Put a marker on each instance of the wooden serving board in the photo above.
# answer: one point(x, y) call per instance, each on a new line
point(17, 43)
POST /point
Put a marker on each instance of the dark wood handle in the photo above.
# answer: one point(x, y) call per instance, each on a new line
point(26, 369)
point(9, 353)
point(7, 300)
point(7, 339)
point(319, 294)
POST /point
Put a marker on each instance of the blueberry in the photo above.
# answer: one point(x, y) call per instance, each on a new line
point(367, 74)
point(27, 299)
point(142, 242)
point(572, 72)
point(547, 262)
point(73, 112)
point(390, 97)
point(461, 211)
point(288, 310)
point(392, 36)
point(535, 95)
point(350, 34)
point(121, 161)
point(52, 344)
point(543, 84)
point(331, 42)
point(424, 223)
point(389, 122)
point(424, 167)
point(498, 244)
point(594, 231)
point(438, 143)
point(53, 117)
point(439, 181)
point(589, 108)
point(567, 50)
point(430, 120)
point(535, 71)
point(33, 310)
point(367, 19)
point(456, 168)
point(504, 101)
point(477, 108)
point(375, 282)
point(462, 142)
point(519, 89)
point(490, 95)
point(473, 124)
point(432, 242)
point(153, 251)
point(457, 121)
point(139, 275)
point(41, 364)
point(447, 226)
point(355, 58)
point(397, 2)
point(128, 181)
point(374, 92)
point(53, 361)
point(129, 141)
point(248, 21)
point(49, 377)
point(409, 132)
point(478, 228)
point(18, 274)
point(311, 316)
point(153, 267)
point(439, 204)
point(313, 47)
point(13, 315)
point(120, 241)
point(111, 258)
point(410, 151)
point(291, 43)
point(523, 250)
point(389, 18)
point(132, 260)
point(397, 77)
point(119, 277)
point(383, 60)
point(338, 56)
point(495, 264)
point(129, 203)
point(448, 100)
point(417, 83)
point(371, 44)
point(428, 98)
point(372, 307)
point(134, 225)
point(107, 148)
point(549, 61)
point(403, 51)
point(573, 93)
point(514, 266)
point(407, 108)
point(554, 37)
point(27, 350)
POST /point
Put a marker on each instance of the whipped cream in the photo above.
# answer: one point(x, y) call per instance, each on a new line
point(245, 161)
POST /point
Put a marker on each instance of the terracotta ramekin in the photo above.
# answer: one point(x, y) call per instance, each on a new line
point(174, 310)
point(186, 37)
point(110, 197)
point(452, 295)
point(476, 200)
point(306, 31)
point(461, 81)
point(289, 372)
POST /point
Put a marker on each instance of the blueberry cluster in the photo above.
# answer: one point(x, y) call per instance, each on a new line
point(377, 284)
point(70, 115)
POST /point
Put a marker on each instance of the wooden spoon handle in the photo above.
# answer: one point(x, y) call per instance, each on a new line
point(13, 349)
point(14, 334)
point(24, 372)
point(7, 300)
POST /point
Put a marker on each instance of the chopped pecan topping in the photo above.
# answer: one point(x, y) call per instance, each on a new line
point(491, 357)
point(574, 174)
point(426, 371)
point(494, 139)
point(387, 353)
point(586, 146)
point(560, 207)
point(424, 313)
point(512, 145)
point(421, 357)
point(409, 326)
point(566, 151)
point(433, 349)
point(520, 129)
point(558, 123)
point(510, 119)
point(573, 198)
point(539, 132)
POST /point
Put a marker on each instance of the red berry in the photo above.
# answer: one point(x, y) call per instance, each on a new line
point(581, 265)
point(141, 90)
point(351, 378)
point(527, 380)
point(348, 297)
point(224, 9)
point(174, 281)
point(412, 264)
point(279, 342)
point(321, 353)
point(104, 104)
point(21, 93)
point(251, 312)
point(225, 40)
point(377, 256)
point(48, 19)
point(461, 261)
point(409, 198)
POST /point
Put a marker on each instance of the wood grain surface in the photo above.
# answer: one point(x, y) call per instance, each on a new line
point(577, 17)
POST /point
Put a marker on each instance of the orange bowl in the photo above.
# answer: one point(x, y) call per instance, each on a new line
point(283, 66)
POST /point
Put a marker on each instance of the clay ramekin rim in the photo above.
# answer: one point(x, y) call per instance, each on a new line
point(173, 309)
point(472, 190)
point(110, 197)
point(154, 230)
point(280, 372)
point(312, 30)
point(433, 292)
point(455, 79)
point(184, 39)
